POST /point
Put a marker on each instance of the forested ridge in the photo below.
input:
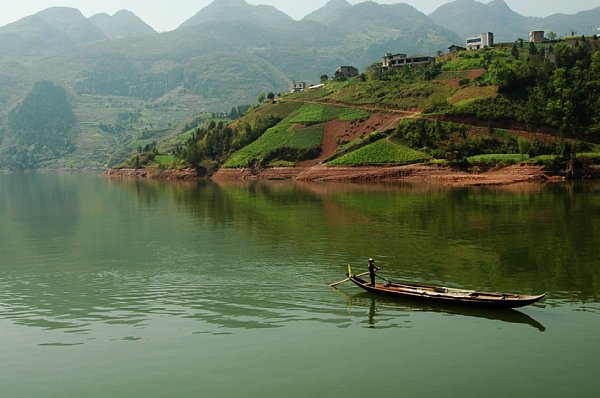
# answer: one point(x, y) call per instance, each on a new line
point(39, 127)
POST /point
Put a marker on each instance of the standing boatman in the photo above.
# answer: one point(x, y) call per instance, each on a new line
point(372, 269)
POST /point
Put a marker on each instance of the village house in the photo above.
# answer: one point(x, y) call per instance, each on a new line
point(400, 60)
point(346, 71)
point(537, 36)
point(454, 49)
point(480, 41)
point(297, 87)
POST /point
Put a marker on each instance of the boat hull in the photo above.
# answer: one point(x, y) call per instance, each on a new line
point(448, 295)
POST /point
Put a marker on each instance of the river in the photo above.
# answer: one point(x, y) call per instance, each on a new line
point(112, 288)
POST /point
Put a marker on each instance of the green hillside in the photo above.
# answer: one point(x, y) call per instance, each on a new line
point(39, 128)
point(509, 104)
point(151, 86)
point(154, 90)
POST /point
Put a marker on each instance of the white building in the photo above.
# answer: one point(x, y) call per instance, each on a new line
point(480, 41)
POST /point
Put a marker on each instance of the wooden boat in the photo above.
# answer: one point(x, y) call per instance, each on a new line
point(447, 295)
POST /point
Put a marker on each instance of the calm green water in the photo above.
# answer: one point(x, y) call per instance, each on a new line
point(143, 289)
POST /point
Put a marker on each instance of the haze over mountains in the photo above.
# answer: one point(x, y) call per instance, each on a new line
point(122, 24)
point(250, 38)
point(239, 10)
point(467, 17)
point(227, 53)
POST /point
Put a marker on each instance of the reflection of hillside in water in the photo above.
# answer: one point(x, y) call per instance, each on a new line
point(255, 255)
point(30, 208)
point(528, 237)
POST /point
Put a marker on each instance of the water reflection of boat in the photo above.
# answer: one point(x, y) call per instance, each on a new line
point(498, 314)
point(447, 295)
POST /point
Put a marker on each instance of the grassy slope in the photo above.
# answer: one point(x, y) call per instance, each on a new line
point(302, 128)
point(455, 86)
point(381, 152)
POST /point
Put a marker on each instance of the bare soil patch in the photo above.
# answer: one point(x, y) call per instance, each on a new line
point(337, 133)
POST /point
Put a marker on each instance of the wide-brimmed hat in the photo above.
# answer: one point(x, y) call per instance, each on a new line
point(371, 260)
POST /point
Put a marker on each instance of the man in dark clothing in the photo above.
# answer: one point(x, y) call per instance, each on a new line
point(372, 270)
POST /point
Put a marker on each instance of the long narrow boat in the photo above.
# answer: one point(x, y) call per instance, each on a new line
point(447, 295)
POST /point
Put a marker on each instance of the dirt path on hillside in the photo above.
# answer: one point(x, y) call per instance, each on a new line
point(366, 107)
point(336, 133)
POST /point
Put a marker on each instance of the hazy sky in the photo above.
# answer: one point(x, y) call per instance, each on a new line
point(164, 15)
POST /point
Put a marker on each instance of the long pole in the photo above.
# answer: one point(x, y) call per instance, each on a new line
point(347, 279)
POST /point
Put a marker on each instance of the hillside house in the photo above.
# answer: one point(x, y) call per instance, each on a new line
point(400, 60)
point(480, 41)
point(537, 36)
point(297, 87)
point(454, 49)
point(346, 71)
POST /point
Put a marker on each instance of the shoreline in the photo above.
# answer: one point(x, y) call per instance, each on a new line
point(187, 174)
point(443, 175)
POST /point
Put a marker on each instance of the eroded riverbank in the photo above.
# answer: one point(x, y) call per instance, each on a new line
point(414, 173)
point(444, 175)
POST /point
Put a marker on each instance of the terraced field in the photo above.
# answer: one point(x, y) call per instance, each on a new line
point(302, 129)
point(381, 152)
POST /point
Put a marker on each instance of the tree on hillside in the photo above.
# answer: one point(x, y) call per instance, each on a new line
point(532, 49)
point(515, 51)
point(261, 97)
point(211, 145)
point(339, 76)
point(271, 96)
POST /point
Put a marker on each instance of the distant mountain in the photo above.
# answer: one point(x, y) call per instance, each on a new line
point(239, 10)
point(262, 38)
point(369, 16)
point(583, 23)
point(470, 17)
point(49, 31)
point(124, 89)
point(329, 11)
point(122, 24)
point(368, 30)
